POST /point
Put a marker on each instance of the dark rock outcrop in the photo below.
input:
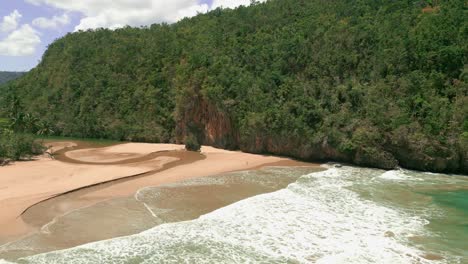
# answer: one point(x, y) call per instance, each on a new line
point(215, 128)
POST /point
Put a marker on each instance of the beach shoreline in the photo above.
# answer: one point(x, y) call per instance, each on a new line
point(95, 174)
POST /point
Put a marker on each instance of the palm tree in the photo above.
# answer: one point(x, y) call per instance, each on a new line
point(44, 128)
point(17, 122)
point(30, 122)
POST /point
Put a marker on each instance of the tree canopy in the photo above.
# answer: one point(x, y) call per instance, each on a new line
point(372, 82)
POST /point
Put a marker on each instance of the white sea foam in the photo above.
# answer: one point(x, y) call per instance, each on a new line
point(399, 175)
point(315, 220)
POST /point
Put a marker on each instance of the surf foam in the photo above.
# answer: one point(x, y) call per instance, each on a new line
point(318, 219)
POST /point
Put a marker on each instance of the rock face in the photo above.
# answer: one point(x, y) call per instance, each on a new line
point(207, 124)
point(421, 153)
point(215, 128)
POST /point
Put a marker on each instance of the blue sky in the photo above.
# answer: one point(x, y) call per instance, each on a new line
point(27, 27)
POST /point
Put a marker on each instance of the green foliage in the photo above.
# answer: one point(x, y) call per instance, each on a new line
point(4, 123)
point(18, 146)
point(191, 143)
point(465, 135)
point(357, 77)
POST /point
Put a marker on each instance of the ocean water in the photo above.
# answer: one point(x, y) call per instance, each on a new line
point(341, 215)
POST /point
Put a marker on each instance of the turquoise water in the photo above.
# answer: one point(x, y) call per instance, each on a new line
point(341, 215)
point(452, 224)
point(456, 200)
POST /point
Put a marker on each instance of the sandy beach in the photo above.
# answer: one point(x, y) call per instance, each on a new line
point(89, 175)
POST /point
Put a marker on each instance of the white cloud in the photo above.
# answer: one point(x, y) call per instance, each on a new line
point(232, 3)
point(118, 13)
point(10, 22)
point(229, 3)
point(21, 42)
point(51, 23)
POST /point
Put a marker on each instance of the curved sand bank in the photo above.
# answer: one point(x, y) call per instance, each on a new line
point(24, 184)
point(118, 154)
point(90, 175)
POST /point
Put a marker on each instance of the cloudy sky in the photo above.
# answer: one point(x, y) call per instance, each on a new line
point(28, 26)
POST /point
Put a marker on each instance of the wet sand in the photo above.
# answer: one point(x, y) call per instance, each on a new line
point(33, 193)
point(149, 207)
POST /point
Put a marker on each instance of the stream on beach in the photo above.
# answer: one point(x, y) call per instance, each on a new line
point(272, 215)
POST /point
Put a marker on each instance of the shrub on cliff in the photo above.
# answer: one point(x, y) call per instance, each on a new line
point(191, 143)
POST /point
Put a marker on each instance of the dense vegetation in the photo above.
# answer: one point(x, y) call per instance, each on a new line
point(15, 146)
point(373, 82)
point(8, 76)
point(16, 140)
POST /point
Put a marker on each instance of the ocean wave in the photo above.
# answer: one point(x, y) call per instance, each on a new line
point(398, 175)
point(318, 219)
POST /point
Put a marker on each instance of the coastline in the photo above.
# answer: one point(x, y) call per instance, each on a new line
point(92, 175)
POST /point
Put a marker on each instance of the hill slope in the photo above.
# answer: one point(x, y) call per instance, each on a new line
point(8, 76)
point(376, 83)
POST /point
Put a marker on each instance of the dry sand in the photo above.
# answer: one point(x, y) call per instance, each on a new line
point(123, 168)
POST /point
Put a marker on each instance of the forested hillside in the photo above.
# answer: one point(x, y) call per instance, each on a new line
point(8, 76)
point(373, 82)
